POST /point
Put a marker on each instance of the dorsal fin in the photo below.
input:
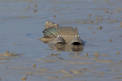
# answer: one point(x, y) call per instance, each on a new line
point(49, 24)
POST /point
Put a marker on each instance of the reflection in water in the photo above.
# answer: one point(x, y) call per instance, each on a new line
point(65, 47)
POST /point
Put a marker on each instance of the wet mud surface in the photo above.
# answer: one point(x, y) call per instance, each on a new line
point(99, 23)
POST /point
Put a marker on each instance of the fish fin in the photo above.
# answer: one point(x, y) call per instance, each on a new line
point(49, 24)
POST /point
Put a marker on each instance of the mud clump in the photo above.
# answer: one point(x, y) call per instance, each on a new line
point(9, 54)
point(103, 61)
point(96, 54)
point(53, 77)
point(100, 28)
point(54, 54)
point(34, 65)
point(43, 70)
point(76, 71)
point(118, 52)
point(24, 78)
point(121, 24)
point(110, 40)
point(87, 54)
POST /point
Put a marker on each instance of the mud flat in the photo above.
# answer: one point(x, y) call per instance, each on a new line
point(99, 23)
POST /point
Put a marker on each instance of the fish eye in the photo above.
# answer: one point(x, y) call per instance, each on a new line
point(76, 43)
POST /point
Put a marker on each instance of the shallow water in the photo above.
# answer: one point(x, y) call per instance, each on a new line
point(98, 22)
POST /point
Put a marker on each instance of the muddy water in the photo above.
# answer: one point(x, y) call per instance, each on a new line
point(99, 23)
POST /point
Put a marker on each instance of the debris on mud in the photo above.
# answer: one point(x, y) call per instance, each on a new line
point(9, 54)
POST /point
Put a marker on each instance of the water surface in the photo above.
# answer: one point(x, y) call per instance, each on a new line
point(98, 22)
